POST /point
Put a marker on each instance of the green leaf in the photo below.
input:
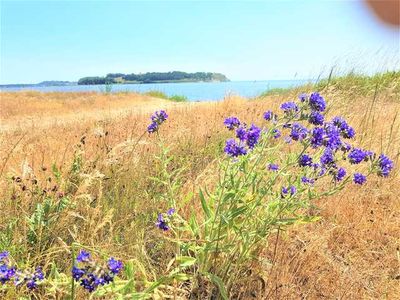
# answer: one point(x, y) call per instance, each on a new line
point(218, 282)
point(185, 261)
point(206, 209)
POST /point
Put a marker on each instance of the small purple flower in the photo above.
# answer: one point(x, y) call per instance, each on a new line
point(359, 178)
point(241, 133)
point(252, 136)
point(276, 133)
point(339, 175)
point(286, 190)
point(303, 97)
point(305, 160)
point(159, 116)
point(317, 102)
point(327, 157)
point(357, 155)
point(269, 115)
point(332, 137)
point(162, 223)
point(153, 127)
point(232, 123)
point(115, 266)
point(273, 167)
point(299, 132)
point(309, 181)
point(385, 165)
point(233, 149)
point(170, 212)
point(83, 256)
point(4, 255)
point(77, 273)
point(317, 137)
point(316, 118)
point(289, 107)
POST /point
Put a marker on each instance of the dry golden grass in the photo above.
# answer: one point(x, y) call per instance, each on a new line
point(352, 253)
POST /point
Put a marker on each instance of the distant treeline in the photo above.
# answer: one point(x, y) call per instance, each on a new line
point(153, 77)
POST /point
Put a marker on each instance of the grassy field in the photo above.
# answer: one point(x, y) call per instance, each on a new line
point(80, 171)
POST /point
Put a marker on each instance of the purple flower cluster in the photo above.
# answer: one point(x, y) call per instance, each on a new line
point(316, 118)
point(317, 102)
point(157, 119)
point(163, 220)
point(359, 178)
point(231, 123)
point(248, 138)
point(385, 165)
point(91, 275)
point(298, 132)
point(9, 272)
point(290, 190)
point(305, 160)
point(273, 167)
point(346, 130)
point(289, 107)
point(357, 155)
point(308, 181)
point(269, 115)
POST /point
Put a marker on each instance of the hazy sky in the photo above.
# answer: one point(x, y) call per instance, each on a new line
point(247, 40)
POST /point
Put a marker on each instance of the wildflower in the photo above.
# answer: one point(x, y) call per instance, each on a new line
point(332, 136)
point(276, 133)
point(83, 256)
point(4, 256)
point(339, 174)
point(269, 115)
point(273, 167)
point(232, 123)
point(234, 149)
point(115, 266)
point(252, 136)
point(162, 223)
point(289, 107)
point(317, 102)
point(157, 119)
point(309, 181)
point(299, 132)
point(327, 157)
point(241, 133)
point(317, 137)
point(357, 155)
point(170, 211)
point(305, 160)
point(288, 190)
point(316, 118)
point(385, 165)
point(303, 97)
point(91, 274)
point(359, 178)
point(346, 130)
point(153, 127)
point(29, 278)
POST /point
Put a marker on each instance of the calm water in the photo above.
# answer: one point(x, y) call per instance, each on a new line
point(194, 91)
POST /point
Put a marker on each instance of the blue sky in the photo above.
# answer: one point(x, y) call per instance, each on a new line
point(247, 40)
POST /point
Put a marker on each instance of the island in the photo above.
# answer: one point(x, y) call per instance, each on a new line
point(154, 77)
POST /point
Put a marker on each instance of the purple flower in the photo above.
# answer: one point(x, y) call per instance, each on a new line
point(357, 155)
point(286, 190)
point(317, 102)
point(359, 178)
point(339, 175)
point(303, 97)
point(231, 123)
point(305, 160)
point(269, 115)
point(115, 266)
point(385, 165)
point(273, 167)
point(332, 137)
point(276, 133)
point(159, 116)
point(346, 131)
point(162, 223)
point(327, 157)
point(241, 133)
point(4, 256)
point(317, 137)
point(170, 212)
point(83, 256)
point(316, 118)
point(233, 149)
point(289, 107)
point(299, 132)
point(153, 127)
point(77, 273)
point(309, 181)
point(252, 136)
